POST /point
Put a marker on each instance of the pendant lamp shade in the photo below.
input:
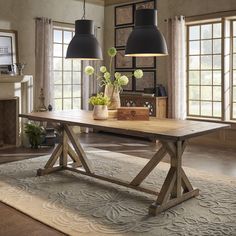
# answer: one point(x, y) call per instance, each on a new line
point(84, 45)
point(146, 40)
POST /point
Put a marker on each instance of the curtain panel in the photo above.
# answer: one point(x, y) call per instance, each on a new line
point(176, 67)
point(43, 61)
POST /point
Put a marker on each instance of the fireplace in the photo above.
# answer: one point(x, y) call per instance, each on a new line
point(9, 122)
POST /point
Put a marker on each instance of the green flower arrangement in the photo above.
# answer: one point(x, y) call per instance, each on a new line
point(99, 99)
point(107, 78)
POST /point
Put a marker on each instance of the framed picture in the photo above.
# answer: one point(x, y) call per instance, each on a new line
point(130, 85)
point(121, 36)
point(148, 81)
point(123, 62)
point(145, 62)
point(124, 15)
point(146, 5)
point(8, 48)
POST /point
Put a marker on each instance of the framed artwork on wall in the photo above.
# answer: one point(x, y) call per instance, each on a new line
point(130, 85)
point(122, 62)
point(124, 15)
point(8, 47)
point(148, 81)
point(145, 62)
point(121, 36)
point(145, 5)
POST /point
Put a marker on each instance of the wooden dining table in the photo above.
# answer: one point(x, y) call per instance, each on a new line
point(172, 135)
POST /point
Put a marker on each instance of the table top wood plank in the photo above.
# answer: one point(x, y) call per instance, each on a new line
point(166, 129)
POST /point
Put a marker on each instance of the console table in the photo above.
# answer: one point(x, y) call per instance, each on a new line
point(157, 105)
point(173, 135)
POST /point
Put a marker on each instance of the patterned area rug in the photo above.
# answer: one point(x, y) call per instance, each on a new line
point(79, 205)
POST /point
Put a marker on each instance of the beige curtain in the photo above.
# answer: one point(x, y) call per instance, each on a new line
point(43, 61)
point(176, 67)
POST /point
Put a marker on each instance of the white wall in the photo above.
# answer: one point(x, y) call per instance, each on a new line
point(19, 15)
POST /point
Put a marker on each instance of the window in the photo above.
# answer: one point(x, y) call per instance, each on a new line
point(204, 83)
point(233, 85)
point(66, 72)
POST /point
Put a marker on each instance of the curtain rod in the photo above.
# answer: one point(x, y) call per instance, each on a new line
point(205, 16)
point(211, 15)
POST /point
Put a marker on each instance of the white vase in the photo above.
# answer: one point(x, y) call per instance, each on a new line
point(100, 112)
point(114, 95)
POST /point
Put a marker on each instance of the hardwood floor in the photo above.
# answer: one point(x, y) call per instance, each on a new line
point(212, 159)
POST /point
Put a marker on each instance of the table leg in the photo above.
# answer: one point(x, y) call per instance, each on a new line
point(177, 187)
point(61, 153)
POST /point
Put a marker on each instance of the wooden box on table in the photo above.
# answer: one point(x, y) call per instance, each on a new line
point(133, 113)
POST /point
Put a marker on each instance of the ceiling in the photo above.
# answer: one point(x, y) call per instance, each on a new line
point(109, 2)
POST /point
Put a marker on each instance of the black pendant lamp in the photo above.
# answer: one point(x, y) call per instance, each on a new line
point(146, 40)
point(84, 45)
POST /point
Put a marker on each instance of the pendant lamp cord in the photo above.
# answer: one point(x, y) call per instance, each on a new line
point(83, 17)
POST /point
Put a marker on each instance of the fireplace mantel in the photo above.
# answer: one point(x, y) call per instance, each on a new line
point(14, 78)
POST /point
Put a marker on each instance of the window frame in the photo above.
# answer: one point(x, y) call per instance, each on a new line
point(199, 70)
point(70, 28)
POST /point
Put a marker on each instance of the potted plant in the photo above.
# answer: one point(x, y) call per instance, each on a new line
point(35, 134)
point(113, 82)
point(100, 109)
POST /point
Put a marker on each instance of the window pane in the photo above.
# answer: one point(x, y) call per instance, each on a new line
point(194, 77)
point(217, 30)
point(217, 77)
point(206, 47)
point(206, 62)
point(57, 76)
point(194, 62)
point(58, 91)
point(206, 93)
point(67, 64)
point(67, 78)
point(206, 31)
point(234, 61)
point(217, 109)
point(77, 91)
point(67, 104)
point(206, 108)
point(206, 77)
point(216, 46)
point(194, 108)
point(67, 91)
point(234, 94)
point(76, 77)
point(57, 36)
point(234, 45)
point(57, 50)
point(58, 104)
point(194, 92)
point(234, 110)
point(57, 64)
point(67, 36)
point(194, 32)
point(76, 103)
point(234, 28)
point(194, 47)
point(234, 77)
point(217, 62)
point(217, 93)
point(77, 65)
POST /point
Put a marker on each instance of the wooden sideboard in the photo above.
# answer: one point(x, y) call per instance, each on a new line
point(157, 105)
